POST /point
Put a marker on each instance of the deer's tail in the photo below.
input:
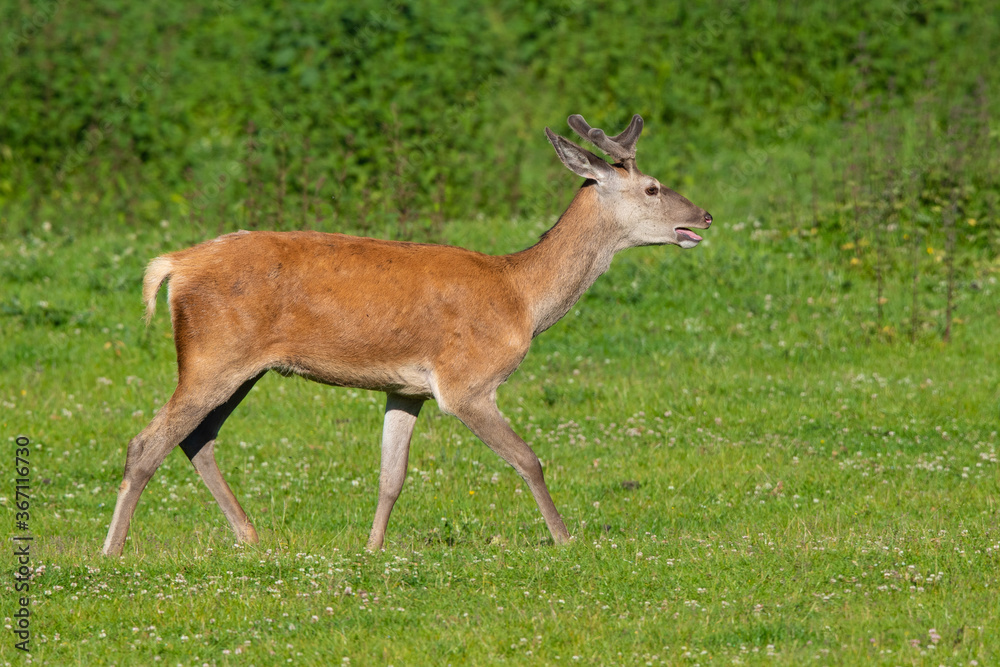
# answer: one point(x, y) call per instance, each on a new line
point(156, 273)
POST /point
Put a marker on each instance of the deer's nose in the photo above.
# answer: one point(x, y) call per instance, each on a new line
point(708, 219)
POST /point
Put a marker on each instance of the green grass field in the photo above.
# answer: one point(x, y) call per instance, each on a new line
point(778, 448)
point(751, 473)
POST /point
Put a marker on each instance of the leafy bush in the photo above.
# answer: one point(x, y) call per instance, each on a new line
point(386, 112)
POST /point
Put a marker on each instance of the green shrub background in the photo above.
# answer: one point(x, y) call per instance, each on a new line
point(392, 116)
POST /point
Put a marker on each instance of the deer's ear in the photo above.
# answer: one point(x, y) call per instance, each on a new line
point(579, 160)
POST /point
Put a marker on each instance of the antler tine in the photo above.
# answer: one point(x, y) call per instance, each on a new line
point(579, 125)
point(620, 147)
point(631, 134)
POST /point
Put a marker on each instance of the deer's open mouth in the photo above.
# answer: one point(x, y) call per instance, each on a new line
point(684, 234)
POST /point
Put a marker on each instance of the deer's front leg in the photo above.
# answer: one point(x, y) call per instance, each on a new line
point(484, 419)
point(400, 416)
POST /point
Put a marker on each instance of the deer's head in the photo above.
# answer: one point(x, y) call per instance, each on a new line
point(647, 212)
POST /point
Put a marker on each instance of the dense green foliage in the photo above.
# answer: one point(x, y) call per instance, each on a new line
point(352, 115)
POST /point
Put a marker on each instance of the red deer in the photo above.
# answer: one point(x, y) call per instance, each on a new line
point(412, 320)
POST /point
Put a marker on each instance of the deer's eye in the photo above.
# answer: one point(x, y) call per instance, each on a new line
point(651, 190)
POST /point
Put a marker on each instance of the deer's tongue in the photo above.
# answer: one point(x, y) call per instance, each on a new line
point(687, 234)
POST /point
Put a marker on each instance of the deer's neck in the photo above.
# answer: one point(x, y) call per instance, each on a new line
point(557, 270)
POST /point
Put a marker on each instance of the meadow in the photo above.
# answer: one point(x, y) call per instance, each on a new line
point(748, 479)
point(777, 448)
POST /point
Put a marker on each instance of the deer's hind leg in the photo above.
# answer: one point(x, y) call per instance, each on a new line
point(196, 400)
point(200, 449)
